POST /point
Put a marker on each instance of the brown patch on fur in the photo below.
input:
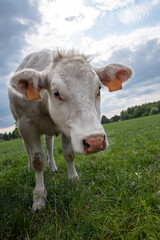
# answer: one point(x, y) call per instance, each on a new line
point(38, 161)
point(71, 156)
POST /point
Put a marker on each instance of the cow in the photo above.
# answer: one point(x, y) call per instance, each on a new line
point(58, 92)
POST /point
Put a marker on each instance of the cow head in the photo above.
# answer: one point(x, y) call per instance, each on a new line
point(73, 87)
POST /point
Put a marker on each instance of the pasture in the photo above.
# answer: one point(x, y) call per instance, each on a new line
point(117, 197)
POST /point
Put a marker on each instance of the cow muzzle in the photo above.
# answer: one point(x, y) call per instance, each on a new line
point(94, 144)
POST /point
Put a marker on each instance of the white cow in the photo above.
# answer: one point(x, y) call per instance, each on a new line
point(55, 92)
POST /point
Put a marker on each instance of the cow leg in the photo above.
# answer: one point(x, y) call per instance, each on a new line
point(69, 156)
point(49, 146)
point(32, 140)
point(39, 193)
point(30, 167)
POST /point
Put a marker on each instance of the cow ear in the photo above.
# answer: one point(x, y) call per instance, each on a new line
point(114, 75)
point(28, 82)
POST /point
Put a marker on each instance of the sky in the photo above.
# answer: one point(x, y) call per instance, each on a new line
point(109, 31)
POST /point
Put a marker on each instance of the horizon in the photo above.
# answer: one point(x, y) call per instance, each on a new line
point(11, 128)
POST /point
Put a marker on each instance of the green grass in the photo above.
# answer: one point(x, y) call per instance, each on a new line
point(117, 197)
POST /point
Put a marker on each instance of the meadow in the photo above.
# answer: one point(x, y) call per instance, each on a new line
point(117, 196)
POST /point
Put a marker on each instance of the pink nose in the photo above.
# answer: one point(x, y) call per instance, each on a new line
point(94, 144)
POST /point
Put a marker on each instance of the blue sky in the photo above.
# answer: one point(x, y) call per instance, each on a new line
point(110, 31)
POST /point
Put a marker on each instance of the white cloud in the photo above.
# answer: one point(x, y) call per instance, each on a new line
point(56, 15)
point(137, 12)
point(22, 21)
point(110, 5)
point(103, 49)
point(7, 130)
point(62, 24)
point(111, 104)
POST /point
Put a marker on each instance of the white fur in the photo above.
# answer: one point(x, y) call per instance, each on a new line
point(76, 116)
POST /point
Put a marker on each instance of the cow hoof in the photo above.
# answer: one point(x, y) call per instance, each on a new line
point(74, 178)
point(39, 200)
point(53, 169)
point(39, 205)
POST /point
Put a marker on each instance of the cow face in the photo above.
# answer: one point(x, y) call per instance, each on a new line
point(74, 104)
point(73, 88)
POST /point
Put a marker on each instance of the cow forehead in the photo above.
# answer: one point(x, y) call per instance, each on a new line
point(76, 68)
point(75, 73)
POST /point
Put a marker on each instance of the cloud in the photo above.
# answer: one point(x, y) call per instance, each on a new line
point(6, 118)
point(16, 18)
point(7, 130)
point(144, 85)
point(108, 5)
point(104, 49)
point(30, 26)
point(61, 20)
point(137, 12)
point(74, 18)
point(67, 17)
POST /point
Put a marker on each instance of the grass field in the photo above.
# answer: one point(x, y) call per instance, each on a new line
point(117, 197)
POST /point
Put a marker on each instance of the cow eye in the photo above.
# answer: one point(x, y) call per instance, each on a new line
point(56, 94)
point(99, 91)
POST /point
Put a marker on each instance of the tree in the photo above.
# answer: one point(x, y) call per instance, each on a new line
point(5, 136)
point(124, 115)
point(104, 119)
point(145, 114)
point(138, 112)
point(158, 104)
point(154, 110)
point(10, 135)
point(130, 110)
point(1, 136)
point(15, 133)
point(116, 118)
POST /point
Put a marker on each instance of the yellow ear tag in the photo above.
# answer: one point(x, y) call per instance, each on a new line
point(32, 94)
point(114, 85)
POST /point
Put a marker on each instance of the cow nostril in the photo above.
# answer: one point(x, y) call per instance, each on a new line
point(86, 145)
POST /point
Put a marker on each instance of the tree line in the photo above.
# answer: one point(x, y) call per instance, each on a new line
point(143, 110)
point(10, 136)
